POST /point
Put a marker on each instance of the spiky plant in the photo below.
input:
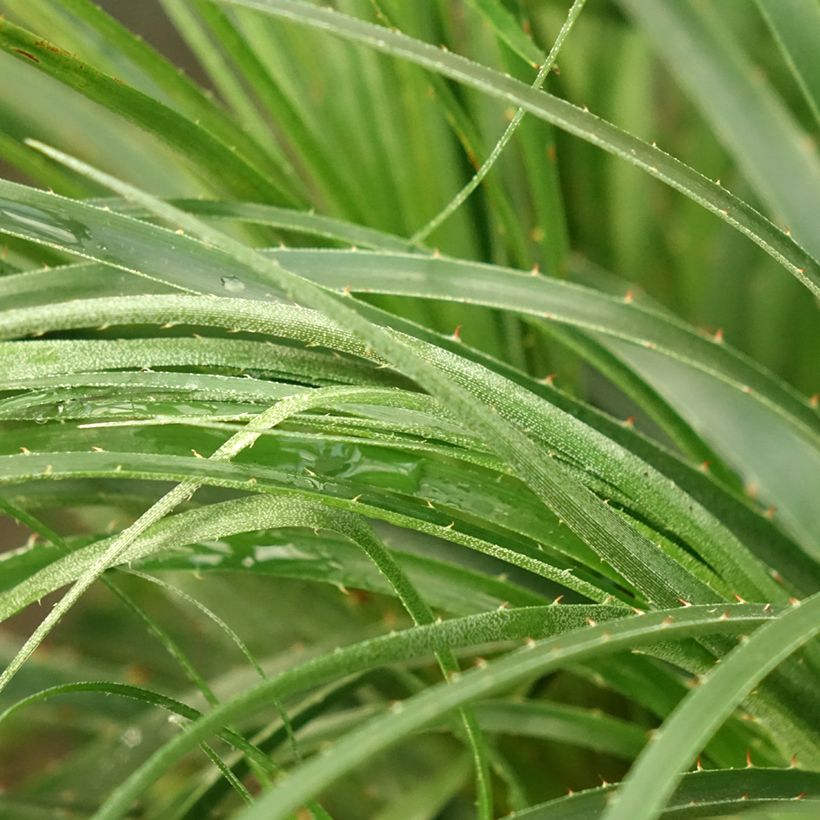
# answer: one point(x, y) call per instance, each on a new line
point(396, 437)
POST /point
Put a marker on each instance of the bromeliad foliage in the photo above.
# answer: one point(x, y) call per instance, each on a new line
point(286, 331)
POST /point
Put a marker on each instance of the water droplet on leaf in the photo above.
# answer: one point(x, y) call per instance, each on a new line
point(233, 284)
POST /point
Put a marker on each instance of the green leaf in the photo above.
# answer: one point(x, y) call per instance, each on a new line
point(657, 770)
point(143, 696)
point(214, 160)
point(712, 793)
point(653, 572)
point(112, 238)
point(562, 723)
point(421, 710)
point(509, 30)
point(754, 529)
point(795, 25)
point(567, 117)
point(756, 127)
point(176, 88)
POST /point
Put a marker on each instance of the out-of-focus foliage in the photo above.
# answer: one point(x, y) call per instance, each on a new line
point(350, 495)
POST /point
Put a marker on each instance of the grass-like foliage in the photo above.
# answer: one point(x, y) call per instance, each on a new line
point(410, 416)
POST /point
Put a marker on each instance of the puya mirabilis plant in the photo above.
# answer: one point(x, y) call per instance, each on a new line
point(283, 331)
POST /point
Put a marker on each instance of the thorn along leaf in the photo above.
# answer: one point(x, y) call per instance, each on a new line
point(302, 516)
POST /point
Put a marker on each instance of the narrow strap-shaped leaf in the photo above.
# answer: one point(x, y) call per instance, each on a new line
point(427, 707)
point(544, 69)
point(655, 574)
point(566, 116)
point(657, 770)
point(144, 696)
point(465, 373)
point(112, 238)
point(508, 30)
point(566, 724)
point(658, 576)
point(711, 792)
point(217, 161)
point(177, 88)
point(45, 358)
point(752, 122)
point(306, 222)
point(796, 28)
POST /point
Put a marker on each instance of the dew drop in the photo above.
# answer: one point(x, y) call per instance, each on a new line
point(132, 737)
point(233, 284)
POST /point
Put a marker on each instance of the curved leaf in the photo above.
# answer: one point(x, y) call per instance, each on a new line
point(657, 770)
point(426, 707)
point(564, 115)
point(711, 793)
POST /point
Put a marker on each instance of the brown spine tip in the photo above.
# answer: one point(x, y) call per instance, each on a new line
point(27, 54)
